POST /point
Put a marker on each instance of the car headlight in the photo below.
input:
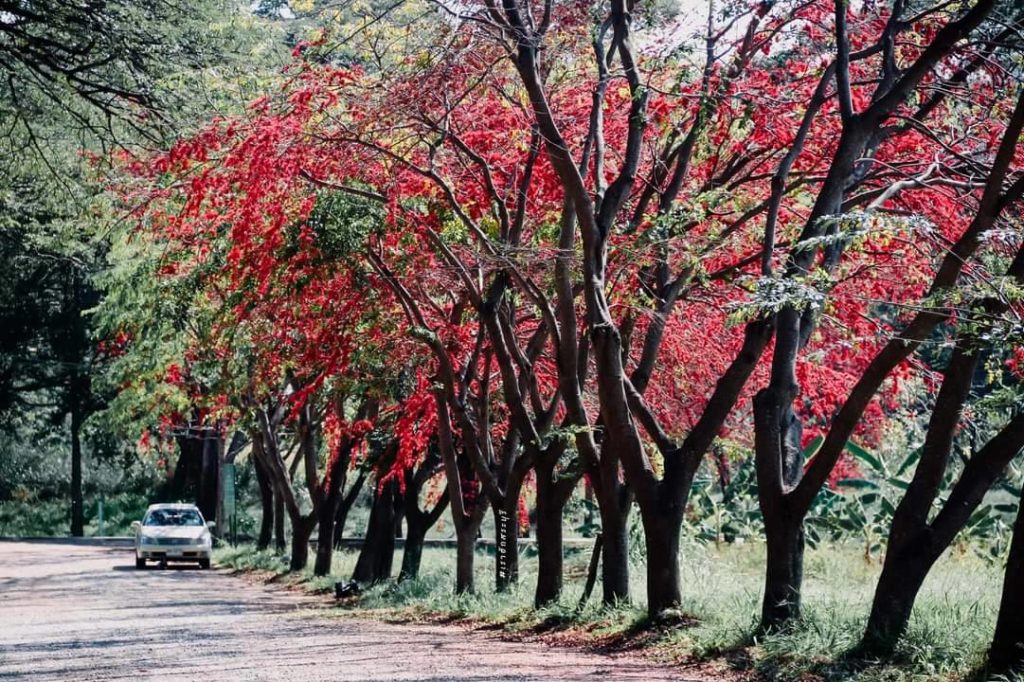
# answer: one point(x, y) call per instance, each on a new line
point(147, 540)
point(205, 539)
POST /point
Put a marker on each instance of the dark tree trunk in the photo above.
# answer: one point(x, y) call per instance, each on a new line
point(465, 557)
point(418, 521)
point(266, 504)
point(913, 547)
point(279, 536)
point(301, 530)
point(412, 555)
point(902, 576)
point(549, 541)
point(506, 544)
point(180, 479)
point(206, 498)
point(325, 535)
point(327, 512)
point(615, 552)
point(341, 516)
point(399, 515)
point(506, 534)
point(1007, 651)
point(378, 551)
point(784, 569)
point(661, 532)
point(77, 499)
point(915, 544)
point(779, 465)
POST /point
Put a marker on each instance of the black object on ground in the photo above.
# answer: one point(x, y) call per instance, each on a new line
point(346, 589)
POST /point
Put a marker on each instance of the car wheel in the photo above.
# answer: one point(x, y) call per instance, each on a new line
point(204, 563)
point(140, 563)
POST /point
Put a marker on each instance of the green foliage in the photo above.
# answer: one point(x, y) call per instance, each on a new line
point(769, 295)
point(343, 222)
point(26, 516)
point(856, 510)
point(81, 80)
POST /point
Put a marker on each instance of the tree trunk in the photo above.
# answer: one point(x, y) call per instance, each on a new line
point(465, 557)
point(341, 516)
point(279, 537)
point(224, 455)
point(418, 521)
point(901, 579)
point(206, 498)
point(325, 534)
point(266, 504)
point(661, 533)
point(416, 532)
point(506, 544)
point(302, 528)
point(549, 542)
point(328, 511)
point(77, 499)
point(913, 547)
point(1007, 651)
point(378, 551)
point(784, 569)
point(615, 552)
point(399, 515)
point(779, 464)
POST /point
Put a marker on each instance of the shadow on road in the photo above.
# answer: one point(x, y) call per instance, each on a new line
point(130, 568)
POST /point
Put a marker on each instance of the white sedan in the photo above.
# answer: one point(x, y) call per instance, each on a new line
point(172, 532)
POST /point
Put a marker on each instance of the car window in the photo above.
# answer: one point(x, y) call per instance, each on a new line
point(173, 517)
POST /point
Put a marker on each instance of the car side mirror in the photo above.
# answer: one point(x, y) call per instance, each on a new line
point(136, 525)
point(212, 526)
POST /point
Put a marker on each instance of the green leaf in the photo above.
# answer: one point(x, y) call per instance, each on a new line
point(865, 456)
point(910, 460)
point(812, 447)
point(857, 483)
point(887, 506)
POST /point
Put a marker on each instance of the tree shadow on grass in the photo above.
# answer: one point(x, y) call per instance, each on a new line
point(787, 664)
point(736, 654)
point(985, 673)
point(845, 666)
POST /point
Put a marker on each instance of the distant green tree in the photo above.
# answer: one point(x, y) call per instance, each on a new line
point(78, 80)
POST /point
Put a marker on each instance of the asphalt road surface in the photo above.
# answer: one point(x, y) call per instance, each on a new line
point(70, 612)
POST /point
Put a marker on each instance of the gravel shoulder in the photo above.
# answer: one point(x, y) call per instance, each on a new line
point(85, 613)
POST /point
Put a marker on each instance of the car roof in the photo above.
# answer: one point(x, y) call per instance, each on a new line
point(178, 506)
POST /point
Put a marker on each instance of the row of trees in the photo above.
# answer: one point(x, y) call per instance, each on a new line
point(524, 243)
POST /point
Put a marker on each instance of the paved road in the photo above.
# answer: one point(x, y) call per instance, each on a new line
point(85, 613)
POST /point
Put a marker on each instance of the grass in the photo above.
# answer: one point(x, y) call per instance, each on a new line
point(948, 634)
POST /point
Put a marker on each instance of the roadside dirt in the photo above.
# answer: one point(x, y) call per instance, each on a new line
point(85, 613)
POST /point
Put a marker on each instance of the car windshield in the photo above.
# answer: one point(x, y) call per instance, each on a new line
point(173, 517)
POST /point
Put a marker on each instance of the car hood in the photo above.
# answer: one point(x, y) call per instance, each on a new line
point(195, 532)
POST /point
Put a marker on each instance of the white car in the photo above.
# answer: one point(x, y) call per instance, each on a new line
point(172, 532)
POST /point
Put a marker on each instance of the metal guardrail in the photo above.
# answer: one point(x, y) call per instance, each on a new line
point(104, 541)
point(480, 542)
